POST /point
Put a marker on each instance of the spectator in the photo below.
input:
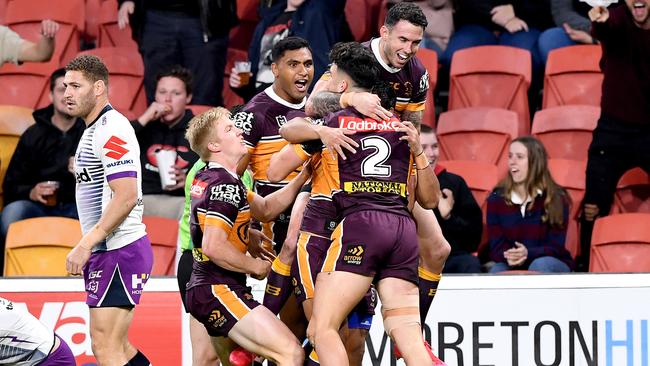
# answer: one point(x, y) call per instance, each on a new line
point(187, 32)
point(621, 140)
point(528, 213)
point(318, 21)
point(17, 50)
point(572, 27)
point(162, 127)
point(43, 160)
point(459, 215)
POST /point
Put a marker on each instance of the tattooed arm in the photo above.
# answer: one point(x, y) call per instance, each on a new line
point(323, 103)
point(414, 117)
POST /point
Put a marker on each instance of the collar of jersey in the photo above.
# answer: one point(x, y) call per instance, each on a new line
point(374, 46)
point(104, 110)
point(271, 93)
point(214, 165)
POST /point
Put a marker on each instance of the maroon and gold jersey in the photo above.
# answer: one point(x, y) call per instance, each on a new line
point(376, 176)
point(220, 199)
point(411, 83)
point(260, 120)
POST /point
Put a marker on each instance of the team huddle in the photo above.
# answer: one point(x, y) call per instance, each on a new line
point(340, 181)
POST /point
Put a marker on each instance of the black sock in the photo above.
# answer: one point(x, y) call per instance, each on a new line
point(139, 360)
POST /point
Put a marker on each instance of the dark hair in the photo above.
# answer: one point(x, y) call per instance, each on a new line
point(357, 61)
point(178, 72)
point(384, 90)
point(237, 108)
point(406, 11)
point(288, 44)
point(90, 66)
point(539, 177)
point(424, 128)
point(58, 73)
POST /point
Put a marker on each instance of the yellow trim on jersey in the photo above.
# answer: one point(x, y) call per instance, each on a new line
point(234, 305)
point(214, 221)
point(280, 268)
point(376, 187)
point(303, 265)
point(329, 265)
point(429, 276)
point(250, 196)
point(300, 151)
point(415, 107)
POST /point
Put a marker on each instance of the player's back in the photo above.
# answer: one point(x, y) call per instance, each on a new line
point(376, 176)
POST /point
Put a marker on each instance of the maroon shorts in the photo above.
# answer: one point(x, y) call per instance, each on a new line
point(219, 307)
point(376, 244)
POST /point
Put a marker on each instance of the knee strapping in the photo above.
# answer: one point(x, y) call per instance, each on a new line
point(401, 312)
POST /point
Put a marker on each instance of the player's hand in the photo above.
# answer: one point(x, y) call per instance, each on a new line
point(234, 80)
point(446, 203)
point(77, 259)
point(49, 28)
point(577, 35)
point(40, 190)
point(516, 25)
point(260, 246)
point(367, 103)
point(502, 14)
point(590, 211)
point(411, 136)
point(336, 139)
point(599, 14)
point(154, 112)
point(123, 13)
point(262, 269)
point(306, 170)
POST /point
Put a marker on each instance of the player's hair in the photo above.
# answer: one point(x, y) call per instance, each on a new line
point(406, 11)
point(288, 44)
point(384, 90)
point(539, 177)
point(357, 62)
point(178, 72)
point(236, 109)
point(201, 127)
point(427, 129)
point(58, 73)
point(90, 66)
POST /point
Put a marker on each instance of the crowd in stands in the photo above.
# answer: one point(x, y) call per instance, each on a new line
point(187, 55)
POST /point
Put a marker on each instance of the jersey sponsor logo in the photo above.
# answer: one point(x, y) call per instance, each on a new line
point(92, 286)
point(228, 193)
point(115, 148)
point(368, 125)
point(198, 188)
point(424, 82)
point(138, 281)
point(95, 274)
point(217, 319)
point(376, 187)
point(244, 121)
point(120, 162)
point(354, 254)
point(198, 255)
point(83, 176)
point(242, 232)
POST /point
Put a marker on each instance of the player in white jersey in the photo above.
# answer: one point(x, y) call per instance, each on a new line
point(25, 341)
point(114, 255)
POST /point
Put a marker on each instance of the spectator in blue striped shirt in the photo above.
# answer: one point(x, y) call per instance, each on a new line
point(527, 214)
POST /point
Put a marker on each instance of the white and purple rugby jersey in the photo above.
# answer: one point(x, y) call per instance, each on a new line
point(108, 150)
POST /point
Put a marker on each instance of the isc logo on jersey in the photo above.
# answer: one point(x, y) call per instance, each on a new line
point(228, 193)
point(244, 121)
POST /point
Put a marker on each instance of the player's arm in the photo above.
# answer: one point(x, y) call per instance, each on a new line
point(123, 200)
point(215, 246)
point(43, 49)
point(242, 165)
point(368, 104)
point(268, 208)
point(414, 117)
point(300, 130)
point(285, 161)
point(427, 188)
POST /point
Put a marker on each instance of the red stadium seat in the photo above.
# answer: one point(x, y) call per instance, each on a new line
point(430, 60)
point(163, 234)
point(14, 121)
point(492, 76)
point(481, 178)
point(3, 11)
point(632, 192)
point(230, 98)
point(109, 34)
point(25, 18)
point(566, 131)
point(621, 243)
point(570, 174)
point(125, 68)
point(480, 133)
point(240, 36)
point(26, 85)
point(573, 76)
